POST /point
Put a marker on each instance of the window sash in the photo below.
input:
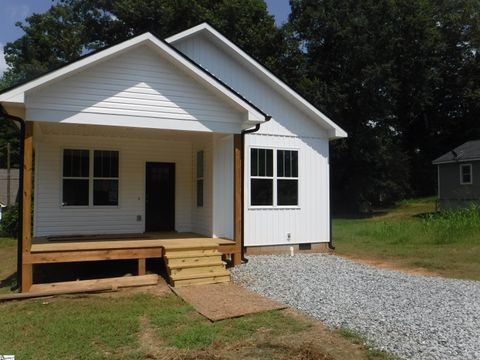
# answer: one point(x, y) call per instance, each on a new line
point(466, 175)
point(256, 174)
point(93, 176)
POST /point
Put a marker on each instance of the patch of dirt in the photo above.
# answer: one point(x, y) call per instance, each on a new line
point(317, 342)
point(149, 343)
point(160, 289)
point(391, 265)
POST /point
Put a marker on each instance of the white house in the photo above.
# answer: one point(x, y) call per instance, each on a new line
point(153, 135)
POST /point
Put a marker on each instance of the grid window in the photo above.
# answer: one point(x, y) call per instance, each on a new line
point(273, 185)
point(105, 178)
point(78, 180)
point(261, 182)
point(466, 174)
point(75, 189)
point(287, 177)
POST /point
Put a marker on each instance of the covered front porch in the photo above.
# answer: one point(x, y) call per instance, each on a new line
point(204, 228)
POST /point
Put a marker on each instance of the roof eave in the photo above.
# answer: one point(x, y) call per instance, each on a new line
point(16, 95)
point(334, 131)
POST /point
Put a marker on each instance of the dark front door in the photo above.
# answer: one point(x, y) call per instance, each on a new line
point(160, 197)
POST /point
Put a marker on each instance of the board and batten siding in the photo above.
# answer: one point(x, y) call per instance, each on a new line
point(309, 221)
point(223, 187)
point(202, 215)
point(289, 128)
point(136, 88)
point(51, 218)
point(287, 119)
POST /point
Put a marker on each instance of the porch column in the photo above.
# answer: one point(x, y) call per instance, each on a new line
point(237, 197)
point(27, 205)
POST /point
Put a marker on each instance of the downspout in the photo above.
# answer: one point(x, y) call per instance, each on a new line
point(6, 115)
point(244, 132)
point(330, 239)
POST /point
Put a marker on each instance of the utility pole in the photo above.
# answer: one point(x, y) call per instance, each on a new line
point(8, 174)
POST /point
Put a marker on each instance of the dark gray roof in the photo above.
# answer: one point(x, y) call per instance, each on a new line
point(468, 151)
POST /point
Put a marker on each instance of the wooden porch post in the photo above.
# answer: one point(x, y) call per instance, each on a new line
point(27, 206)
point(237, 198)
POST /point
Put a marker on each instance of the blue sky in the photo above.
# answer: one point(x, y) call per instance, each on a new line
point(16, 10)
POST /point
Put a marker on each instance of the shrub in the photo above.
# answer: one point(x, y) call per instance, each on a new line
point(9, 221)
point(448, 226)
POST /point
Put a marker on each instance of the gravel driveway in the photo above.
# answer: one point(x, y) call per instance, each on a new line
point(414, 317)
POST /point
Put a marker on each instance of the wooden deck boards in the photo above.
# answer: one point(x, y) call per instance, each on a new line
point(191, 247)
point(125, 242)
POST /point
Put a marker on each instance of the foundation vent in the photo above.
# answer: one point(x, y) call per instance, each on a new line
point(304, 247)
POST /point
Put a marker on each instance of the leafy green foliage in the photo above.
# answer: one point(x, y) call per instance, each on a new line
point(9, 221)
point(400, 77)
point(450, 225)
point(74, 27)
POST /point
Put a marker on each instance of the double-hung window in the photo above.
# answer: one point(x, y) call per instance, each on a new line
point(466, 174)
point(261, 171)
point(287, 177)
point(76, 177)
point(273, 177)
point(85, 182)
point(105, 177)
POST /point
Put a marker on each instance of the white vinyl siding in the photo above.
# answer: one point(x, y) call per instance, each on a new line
point(50, 218)
point(223, 187)
point(287, 119)
point(289, 128)
point(136, 88)
point(308, 222)
point(202, 216)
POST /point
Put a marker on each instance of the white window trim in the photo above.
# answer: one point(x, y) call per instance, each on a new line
point(274, 178)
point(90, 178)
point(200, 178)
point(461, 174)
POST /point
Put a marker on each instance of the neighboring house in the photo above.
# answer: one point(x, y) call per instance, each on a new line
point(155, 135)
point(459, 176)
point(8, 188)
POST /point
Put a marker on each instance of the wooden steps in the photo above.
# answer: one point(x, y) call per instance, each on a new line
point(191, 266)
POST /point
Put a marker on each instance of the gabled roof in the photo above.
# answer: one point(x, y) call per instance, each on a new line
point(16, 94)
point(335, 131)
point(466, 152)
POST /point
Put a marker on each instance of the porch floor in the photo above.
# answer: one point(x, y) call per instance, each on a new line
point(123, 241)
point(198, 252)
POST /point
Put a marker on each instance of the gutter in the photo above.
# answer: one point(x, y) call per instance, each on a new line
point(244, 132)
point(7, 116)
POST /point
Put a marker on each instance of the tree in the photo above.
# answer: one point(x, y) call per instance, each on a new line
point(74, 27)
point(400, 76)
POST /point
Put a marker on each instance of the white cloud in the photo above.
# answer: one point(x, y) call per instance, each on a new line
point(3, 64)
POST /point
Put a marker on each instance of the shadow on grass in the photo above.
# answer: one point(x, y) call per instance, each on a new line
point(10, 282)
point(359, 216)
point(427, 215)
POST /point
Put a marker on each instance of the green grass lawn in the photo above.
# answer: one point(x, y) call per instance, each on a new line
point(413, 236)
point(148, 326)
point(138, 324)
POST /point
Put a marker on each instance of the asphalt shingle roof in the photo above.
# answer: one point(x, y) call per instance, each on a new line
point(467, 151)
